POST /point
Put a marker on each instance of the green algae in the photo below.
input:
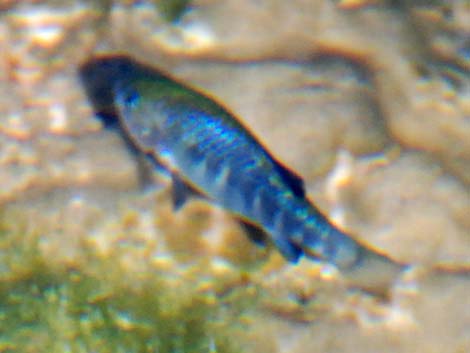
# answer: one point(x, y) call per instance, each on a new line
point(19, 254)
point(47, 315)
point(94, 308)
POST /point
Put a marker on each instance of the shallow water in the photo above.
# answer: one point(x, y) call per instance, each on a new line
point(369, 101)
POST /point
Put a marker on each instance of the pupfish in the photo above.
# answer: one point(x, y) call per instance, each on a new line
point(209, 152)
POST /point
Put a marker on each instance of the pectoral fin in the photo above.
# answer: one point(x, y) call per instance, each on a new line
point(182, 191)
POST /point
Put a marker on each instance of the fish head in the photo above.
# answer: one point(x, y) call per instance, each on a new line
point(120, 86)
point(139, 113)
point(99, 76)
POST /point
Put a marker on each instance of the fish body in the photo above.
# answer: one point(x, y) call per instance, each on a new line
point(207, 149)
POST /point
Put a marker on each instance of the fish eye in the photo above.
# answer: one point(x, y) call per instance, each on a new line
point(131, 98)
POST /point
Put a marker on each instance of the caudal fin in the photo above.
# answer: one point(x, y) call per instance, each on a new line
point(374, 272)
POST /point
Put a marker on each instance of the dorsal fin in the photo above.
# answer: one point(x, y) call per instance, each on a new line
point(294, 181)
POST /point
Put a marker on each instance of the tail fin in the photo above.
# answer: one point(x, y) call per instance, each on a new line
point(325, 242)
point(374, 272)
point(362, 267)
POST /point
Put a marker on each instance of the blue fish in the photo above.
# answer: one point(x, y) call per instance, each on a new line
point(208, 151)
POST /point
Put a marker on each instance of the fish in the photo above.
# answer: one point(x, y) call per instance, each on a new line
point(209, 152)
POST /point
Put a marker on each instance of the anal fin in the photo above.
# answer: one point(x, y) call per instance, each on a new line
point(289, 250)
point(254, 232)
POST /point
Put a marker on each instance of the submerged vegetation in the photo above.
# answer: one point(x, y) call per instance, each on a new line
point(94, 309)
point(45, 315)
